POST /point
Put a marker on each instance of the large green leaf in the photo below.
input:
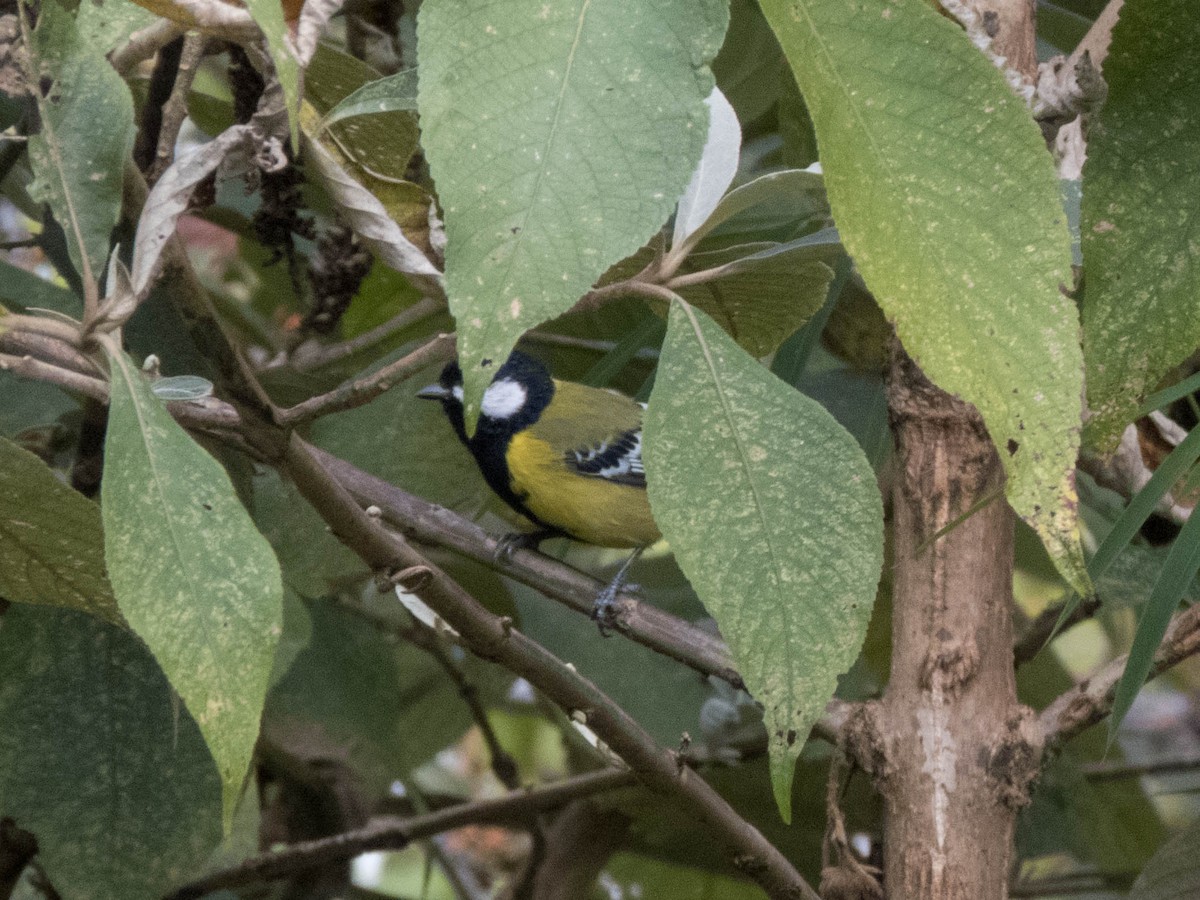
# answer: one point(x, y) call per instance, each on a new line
point(944, 194)
point(192, 575)
point(1174, 871)
point(1141, 224)
point(97, 760)
point(738, 460)
point(86, 136)
point(51, 542)
point(560, 136)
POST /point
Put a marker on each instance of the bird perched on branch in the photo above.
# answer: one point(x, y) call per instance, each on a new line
point(566, 456)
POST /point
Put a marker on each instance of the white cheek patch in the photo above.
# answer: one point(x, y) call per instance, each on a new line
point(503, 399)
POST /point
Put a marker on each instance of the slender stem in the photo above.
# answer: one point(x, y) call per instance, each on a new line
point(44, 325)
point(307, 358)
point(175, 110)
point(144, 44)
point(363, 390)
point(394, 833)
point(1091, 700)
point(29, 367)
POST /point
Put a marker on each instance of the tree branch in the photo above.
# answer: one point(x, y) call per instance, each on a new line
point(494, 637)
point(1091, 700)
point(361, 391)
point(394, 833)
point(422, 521)
point(307, 357)
point(144, 44)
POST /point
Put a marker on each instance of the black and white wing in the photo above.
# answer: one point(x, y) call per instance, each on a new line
point(618, 460)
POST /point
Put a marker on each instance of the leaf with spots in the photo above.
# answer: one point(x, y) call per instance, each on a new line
point(86, 137)
point(1141, 224)
point(738, 460)
point(192, 575)
point(51, 543)
point(945, 196)
point(97, 759)
point(560, 136)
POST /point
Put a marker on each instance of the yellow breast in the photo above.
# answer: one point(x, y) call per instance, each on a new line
point(590, 509)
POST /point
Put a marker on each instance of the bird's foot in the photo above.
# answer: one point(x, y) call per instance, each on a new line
point(604, 610)
point(518, 540)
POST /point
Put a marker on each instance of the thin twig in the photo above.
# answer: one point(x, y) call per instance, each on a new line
point(494, 637)
point(577, 343)
point(394, 833)
point(29, 367)
point(1119, 771)
point(175, 110)
point(309, 356)
point(1041, 629)
point(361, 391)
point(43, 325)
point(144, 44)
point(1091, 700)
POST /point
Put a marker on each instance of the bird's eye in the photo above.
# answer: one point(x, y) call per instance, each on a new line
point(503, 399)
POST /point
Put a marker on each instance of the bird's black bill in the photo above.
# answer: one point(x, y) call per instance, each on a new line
point(434, 392)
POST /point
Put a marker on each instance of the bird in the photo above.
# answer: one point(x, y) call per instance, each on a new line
point(566, 456)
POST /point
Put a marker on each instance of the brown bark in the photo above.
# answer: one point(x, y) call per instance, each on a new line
point(952, 751)
point(1011, 24)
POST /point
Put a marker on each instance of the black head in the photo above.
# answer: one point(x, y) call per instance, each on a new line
point(519, 391)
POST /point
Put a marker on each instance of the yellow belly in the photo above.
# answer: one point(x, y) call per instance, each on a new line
point(589, 509)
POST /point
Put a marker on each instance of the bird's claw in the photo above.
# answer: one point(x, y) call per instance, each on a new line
point(517, 540)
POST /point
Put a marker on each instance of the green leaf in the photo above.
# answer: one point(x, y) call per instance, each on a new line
point(192, 575)
point(553, 168)
point(31, 404)
point(78, 157)
point(1141, 226)
point(51, 542)
point(268, 14)
point(762, 298)
point(97, 759)
point(947, 200)
point(738, 460)
point(393, 93)
point(105, 26)
point(20, 290)
point(1173, 583)
point(748, 66)
point(1173, 873)
point(802, 193)
point(385, 134)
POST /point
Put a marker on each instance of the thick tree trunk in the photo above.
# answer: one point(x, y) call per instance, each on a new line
point(951, 750)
